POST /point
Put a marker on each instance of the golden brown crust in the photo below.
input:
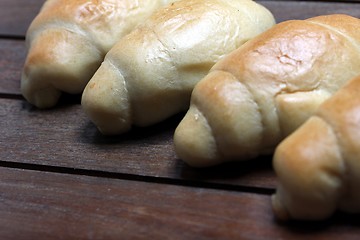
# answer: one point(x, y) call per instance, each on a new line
point(289, 71)
point(68, 40)
point(346, 25)
point(310, 182)
point(163, 59)
point(318, 166)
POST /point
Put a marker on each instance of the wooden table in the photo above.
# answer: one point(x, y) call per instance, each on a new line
point(61, 179)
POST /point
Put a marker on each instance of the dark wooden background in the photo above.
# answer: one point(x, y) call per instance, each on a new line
point(61, 179)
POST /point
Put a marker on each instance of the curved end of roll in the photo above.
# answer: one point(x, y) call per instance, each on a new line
point(58, 61)
point(105, 101)
point(194, 142)
point(278, 208)
point(310, 172)
point(40, 96)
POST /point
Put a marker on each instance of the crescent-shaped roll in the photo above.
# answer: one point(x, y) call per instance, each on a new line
point(67, 42)
point(264, 90)
point(318, 166)
point(148, 75)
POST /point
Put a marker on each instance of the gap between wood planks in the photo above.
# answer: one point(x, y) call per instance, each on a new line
point(139, 178)
point(12, 37)
point(11, 96)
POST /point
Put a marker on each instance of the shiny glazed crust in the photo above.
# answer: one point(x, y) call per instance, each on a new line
point(149, 74)
point(263, 91)
point(68, 40)
point(318, 166)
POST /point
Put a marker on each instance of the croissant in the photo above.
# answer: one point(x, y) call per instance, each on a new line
point(264, 90)
point(68, 40)
point(148, 75)
point(318, 166)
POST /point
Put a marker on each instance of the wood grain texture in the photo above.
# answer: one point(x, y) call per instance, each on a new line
point(288, 10)
point(64, 137)
point(61, 179)
point(40, 205)
point(12, 59)
point(16, 16)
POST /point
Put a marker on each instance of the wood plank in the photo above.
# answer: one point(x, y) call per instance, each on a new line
point(12, 54)
point(287, 10)
point(40, 205)
point(64, 137)
point(16, 16)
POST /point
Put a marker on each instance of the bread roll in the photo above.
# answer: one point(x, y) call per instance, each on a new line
point(68, 40)
point(318, 166)
point(263, 91)
point(148, 75)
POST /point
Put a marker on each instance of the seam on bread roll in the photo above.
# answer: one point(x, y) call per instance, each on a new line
point(208, 126)
point(62, 25)
point(340, 146)
point(256, 101)
point(125, 88)
point(167, 51)
point(350, 39)
point(218, 151)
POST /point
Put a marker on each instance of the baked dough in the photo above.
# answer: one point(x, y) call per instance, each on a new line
point(148, 75)
point(68, 40)
point(263, 91)
point(318, 166)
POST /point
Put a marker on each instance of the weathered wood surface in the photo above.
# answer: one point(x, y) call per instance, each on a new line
point(46, 205)
point(61, 179)
point(64, 137)
point(16, 16)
